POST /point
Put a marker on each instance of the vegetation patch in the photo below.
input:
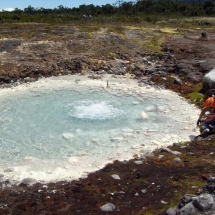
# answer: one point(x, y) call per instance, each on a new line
point(169, 30)
point(154, 45)
point(85, 35)
point(196, 97)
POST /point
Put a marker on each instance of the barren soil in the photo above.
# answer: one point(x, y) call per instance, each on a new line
point(30, 51)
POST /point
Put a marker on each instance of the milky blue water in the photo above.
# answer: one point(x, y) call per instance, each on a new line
point(69, 127)
point(47, 125)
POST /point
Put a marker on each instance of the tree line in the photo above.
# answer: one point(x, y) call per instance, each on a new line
point(132, 10)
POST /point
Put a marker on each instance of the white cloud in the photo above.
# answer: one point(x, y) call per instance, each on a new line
point(7, 9)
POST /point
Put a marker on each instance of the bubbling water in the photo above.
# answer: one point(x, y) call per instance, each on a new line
point(100, 110)
point(55, 129)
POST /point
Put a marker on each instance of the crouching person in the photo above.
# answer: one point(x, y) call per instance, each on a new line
point(208, 111)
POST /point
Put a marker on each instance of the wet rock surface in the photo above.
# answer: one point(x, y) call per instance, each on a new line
point(143, 185)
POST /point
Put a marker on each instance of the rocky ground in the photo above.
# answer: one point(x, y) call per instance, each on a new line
point(149, 185)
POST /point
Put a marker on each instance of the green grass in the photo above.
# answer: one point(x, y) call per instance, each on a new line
point(196, 96)
point(111, 55)
point(154, 45)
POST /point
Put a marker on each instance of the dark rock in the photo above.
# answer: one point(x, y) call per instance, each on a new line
point(5, 79)
point(188, 209)
point(203, 202)
point(150, 70)
point(196, 204)
point(211, 180)
point(210, 187)
point(204, 35)
point(206, 65)
point(137, 175)
point(170, 69)
point(184, 67)
point(195, 77)
point(187, 198)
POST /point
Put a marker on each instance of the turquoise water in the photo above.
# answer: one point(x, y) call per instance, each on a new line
point(46, 125)
point(77, 127)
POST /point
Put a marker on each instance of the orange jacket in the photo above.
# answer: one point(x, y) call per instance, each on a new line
point(210, 106)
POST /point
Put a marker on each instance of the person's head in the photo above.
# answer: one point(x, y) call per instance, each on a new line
point(209, 93)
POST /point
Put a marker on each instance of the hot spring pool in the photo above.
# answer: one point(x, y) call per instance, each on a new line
point(61, 129)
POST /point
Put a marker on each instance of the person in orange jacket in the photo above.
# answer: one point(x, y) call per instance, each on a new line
point(210, 116)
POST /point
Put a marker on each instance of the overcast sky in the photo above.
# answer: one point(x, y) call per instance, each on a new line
point(21, 4)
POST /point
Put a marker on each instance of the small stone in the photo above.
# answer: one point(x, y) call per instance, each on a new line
point(170, 151)
point(211, 180)
point(109, 207)
point(137, 175)
point(29, 181)
point(177, 81)
point(149, 154)
point(172, 211)
point(177, 160)
point(190, 153)
point(115, 176)
point(138, 162)
point(28, 79)
point(135, 103)
point(176, 144)
point(144, 190)
point(183, 147)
